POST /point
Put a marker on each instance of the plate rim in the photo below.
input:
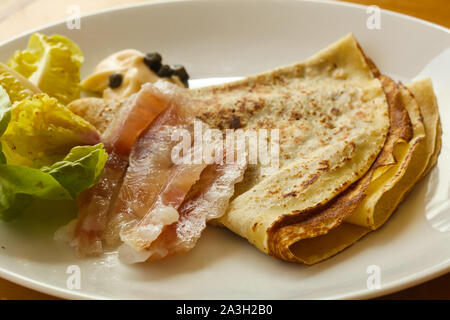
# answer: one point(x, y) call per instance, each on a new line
point(390, 287)
point(159, 2)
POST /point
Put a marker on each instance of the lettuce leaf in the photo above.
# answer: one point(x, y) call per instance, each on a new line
point(42, 131)
point(5, 117)
point(19, 185)
point(64, 180)
point(52, 63)
point(2, 156)
point(80, 169)
point(5, 110)
point(17, 87)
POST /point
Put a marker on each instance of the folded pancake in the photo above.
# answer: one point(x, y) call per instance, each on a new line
point(373, 211)
point(413, 163)
point(424, 94)
point(321, 220)
point(333, 119)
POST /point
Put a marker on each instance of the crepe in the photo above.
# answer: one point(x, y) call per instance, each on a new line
point(418, 158)
point(333, 119)
point(316, 223)
point(424, 95)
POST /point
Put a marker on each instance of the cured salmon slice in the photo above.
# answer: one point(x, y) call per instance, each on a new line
point(149, 168)
point(134, 116)
point(189, 196)
point(140, 234)
point(154, 186)
point(207, 200)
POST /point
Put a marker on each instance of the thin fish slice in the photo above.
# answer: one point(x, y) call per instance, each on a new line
point(137, 113)
point(139, 234)
point(149, 167)
point(133, 118)
point(93, 208)
point(207, 200)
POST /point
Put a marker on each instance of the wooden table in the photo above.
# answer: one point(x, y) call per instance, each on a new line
point(17, 16)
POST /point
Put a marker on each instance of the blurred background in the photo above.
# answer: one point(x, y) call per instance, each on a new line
point(18, 16)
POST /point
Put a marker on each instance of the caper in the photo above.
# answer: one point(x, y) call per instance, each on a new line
point(115, 80)
point(153, 61)
point(181, 73)
point(165, 71)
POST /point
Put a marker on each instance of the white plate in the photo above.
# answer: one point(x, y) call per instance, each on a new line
point(224, 39)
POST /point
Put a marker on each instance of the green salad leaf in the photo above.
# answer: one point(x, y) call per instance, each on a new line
point(2, 156)
point(80, 169)
point(5, 110)
point(42, 131)
point(52, 63)
point(64, 180)
point(20, 185)
point(5, 117)
point(17, 87)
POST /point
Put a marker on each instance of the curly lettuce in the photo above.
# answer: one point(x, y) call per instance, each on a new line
point(46, 151)
point(78, 170)
point(52, 63)
point(41, 131)
point(17, 87)
point(5, 117)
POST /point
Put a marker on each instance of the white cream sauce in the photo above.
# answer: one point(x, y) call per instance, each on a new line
point(130, 64)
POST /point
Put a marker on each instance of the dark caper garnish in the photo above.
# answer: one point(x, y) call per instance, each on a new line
point(115, 80)
point(153, 61)
point(165, 71)
point(181, 73)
